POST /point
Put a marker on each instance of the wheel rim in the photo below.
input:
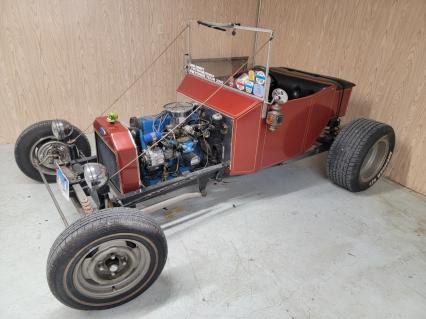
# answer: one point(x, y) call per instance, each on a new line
point(46, 152)
point(111, 268)
point(375, 159)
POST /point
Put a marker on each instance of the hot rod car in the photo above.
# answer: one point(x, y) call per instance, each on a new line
point(234, 121)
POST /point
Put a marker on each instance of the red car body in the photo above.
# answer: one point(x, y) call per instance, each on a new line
point(253, 146)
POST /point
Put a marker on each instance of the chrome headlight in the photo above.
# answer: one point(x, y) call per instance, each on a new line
point(95, 175)
point(61, 129)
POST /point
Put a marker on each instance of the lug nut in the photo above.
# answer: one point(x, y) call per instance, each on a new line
point(113, 268)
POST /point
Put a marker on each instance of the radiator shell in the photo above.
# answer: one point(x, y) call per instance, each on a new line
point(118, 139)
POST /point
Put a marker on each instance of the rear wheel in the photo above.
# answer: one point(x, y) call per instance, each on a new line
point(106, 259)
point(360, 154)
point(37, 147)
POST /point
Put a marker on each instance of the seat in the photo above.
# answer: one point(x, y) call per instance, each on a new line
point(295, 86)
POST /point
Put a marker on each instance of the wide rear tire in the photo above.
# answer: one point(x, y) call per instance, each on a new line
point(106, 259)
point(360, 154)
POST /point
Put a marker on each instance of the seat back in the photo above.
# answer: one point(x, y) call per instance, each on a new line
point(296, 87)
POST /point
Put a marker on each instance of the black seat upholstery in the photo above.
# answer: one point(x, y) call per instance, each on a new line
point(340, 83)
point(295, 86)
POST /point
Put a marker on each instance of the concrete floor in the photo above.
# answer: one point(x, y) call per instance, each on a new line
point(283, 243)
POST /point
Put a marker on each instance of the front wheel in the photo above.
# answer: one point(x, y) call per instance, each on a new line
point(360, 154)
point(106, 259)
point(37, 148)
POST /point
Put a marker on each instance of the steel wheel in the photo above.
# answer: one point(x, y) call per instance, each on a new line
point(112, 268)
point(106, 259)
point(375, 159)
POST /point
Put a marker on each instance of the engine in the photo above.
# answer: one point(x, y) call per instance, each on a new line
point(175, 142)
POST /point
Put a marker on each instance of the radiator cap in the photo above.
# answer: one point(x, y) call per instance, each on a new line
point(112, 117)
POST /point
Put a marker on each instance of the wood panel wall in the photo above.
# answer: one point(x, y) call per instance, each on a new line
point(71, 59)
point(378, 44)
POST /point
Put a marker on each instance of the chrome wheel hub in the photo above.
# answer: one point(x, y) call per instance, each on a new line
point(112, 268)
point(47, 152)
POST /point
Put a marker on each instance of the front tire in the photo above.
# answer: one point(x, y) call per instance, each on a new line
point(106, 259)
point(37, 139)
point(360, 154)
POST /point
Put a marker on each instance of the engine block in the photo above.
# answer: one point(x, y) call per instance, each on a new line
point(176, 141)
point(157, 148)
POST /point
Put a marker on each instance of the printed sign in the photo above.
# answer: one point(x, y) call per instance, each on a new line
point(249, 87)
point(258, 90)
point(200, 74)
point(240, 85)
point(260, 77)
point(209, 76)
point(251, 82)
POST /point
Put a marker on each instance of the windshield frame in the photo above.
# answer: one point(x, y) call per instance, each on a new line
point(235, 26)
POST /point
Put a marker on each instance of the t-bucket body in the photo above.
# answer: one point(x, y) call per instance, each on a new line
point(254, 147)
point(234, 80)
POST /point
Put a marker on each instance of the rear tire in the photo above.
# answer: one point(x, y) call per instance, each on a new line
point(31, 136)
point(106, 259)
point(360, 154)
